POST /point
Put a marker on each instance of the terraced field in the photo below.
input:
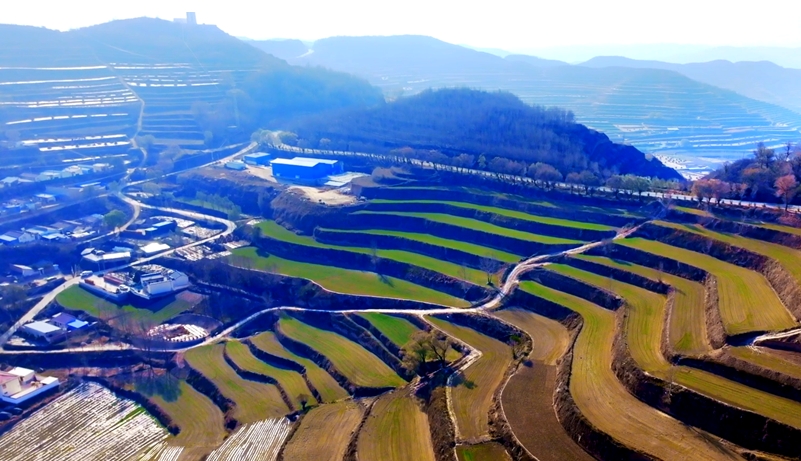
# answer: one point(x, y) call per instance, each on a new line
point(472, 395)
point(356, 363)
point(291, 381)
point(643, 331)
point(328, 388)
point(254, 401)
point(316, 441)
point(398, 330)
point(747, 301)
point(349, 281)
point(468, 223)
point(396, 430)
point(607, 404)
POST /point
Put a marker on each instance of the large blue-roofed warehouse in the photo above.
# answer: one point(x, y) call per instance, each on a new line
point(303, 169)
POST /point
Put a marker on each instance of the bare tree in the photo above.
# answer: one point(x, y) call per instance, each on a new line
point(489, 265)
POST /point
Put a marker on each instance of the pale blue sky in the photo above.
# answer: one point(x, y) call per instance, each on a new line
point(512, 25)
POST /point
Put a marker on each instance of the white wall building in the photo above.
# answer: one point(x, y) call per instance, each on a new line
point(20, 384)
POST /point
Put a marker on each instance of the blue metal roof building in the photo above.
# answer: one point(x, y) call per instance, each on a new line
point(258, 158)
point(304, 169)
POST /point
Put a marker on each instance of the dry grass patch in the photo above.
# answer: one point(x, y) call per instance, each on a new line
point(396, 430)
point(472, 398)
point(326, 385)
point(325, 432)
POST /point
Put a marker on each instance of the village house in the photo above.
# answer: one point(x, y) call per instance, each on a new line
point(18, 385)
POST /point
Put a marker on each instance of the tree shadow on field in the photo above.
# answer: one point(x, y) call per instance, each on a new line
point(460, 380)
point(166, 386)
point(386, 280)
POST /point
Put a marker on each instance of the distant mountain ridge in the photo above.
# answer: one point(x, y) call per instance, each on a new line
point(657, 110)
point(763, 80)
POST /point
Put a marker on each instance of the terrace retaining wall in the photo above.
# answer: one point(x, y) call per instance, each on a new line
point(392, 242)
point(577, 288)
point(382, 266)
point(496, 219)
point(260, 378)
point(280, 362)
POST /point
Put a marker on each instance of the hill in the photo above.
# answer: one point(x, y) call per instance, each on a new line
point(763, 80)
point(483, 126)
point(194, 87)
point(657, 110)
point(282, 49)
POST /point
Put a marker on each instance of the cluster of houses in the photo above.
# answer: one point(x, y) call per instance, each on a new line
point(53, 195)
point(50, 175)
point(19, 385)
point(54, 329)
point(72, 230)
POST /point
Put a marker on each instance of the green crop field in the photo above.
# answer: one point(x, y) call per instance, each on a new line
point(349, 281)
point(644, 332)
point(789, 258)
point(291, 381)
point(767, 358)
point(695, 211)
point(445, 243)
point(489, 451)
point(325, 432)
point(355, 362)
point(76, 298)
point(202, 423)
point(480, 226)
point(398, 330)
point(326, 385)
point(780, 228)
point(687, 333)
point(276, 231)
point(472, 398)
point(747, 301)
point(396, 430)
point(607, 404)
point(510, 214)
point(254, 401)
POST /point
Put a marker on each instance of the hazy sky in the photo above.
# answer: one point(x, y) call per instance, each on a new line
point(512, 25)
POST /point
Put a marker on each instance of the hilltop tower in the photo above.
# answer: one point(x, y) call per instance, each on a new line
point(191, 19)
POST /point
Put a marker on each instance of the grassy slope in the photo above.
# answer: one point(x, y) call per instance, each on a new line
point(76, 298)
point(254, 401)
point(471, 404)
point(687, 323)
point(480, 226)
point(276, 231)
point(324, 432)
point(747, 301)
point(291, 381)
point(767, 358)
point(644, 332)
point(202, 423)
point(445, 243)
point(357, 363)
point(607, 404)
point(489, 451)
point(789, 258)
point(398, 330)
point(550, 338)
point(350, 281)
point(396, 430)
point(328, 388)
point(511, 214)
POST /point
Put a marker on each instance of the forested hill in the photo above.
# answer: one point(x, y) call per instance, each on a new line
point(472, 128)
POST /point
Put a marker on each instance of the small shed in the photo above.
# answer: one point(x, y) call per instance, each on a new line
point(258, 158)
point(236, 165)
point(42, 330)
